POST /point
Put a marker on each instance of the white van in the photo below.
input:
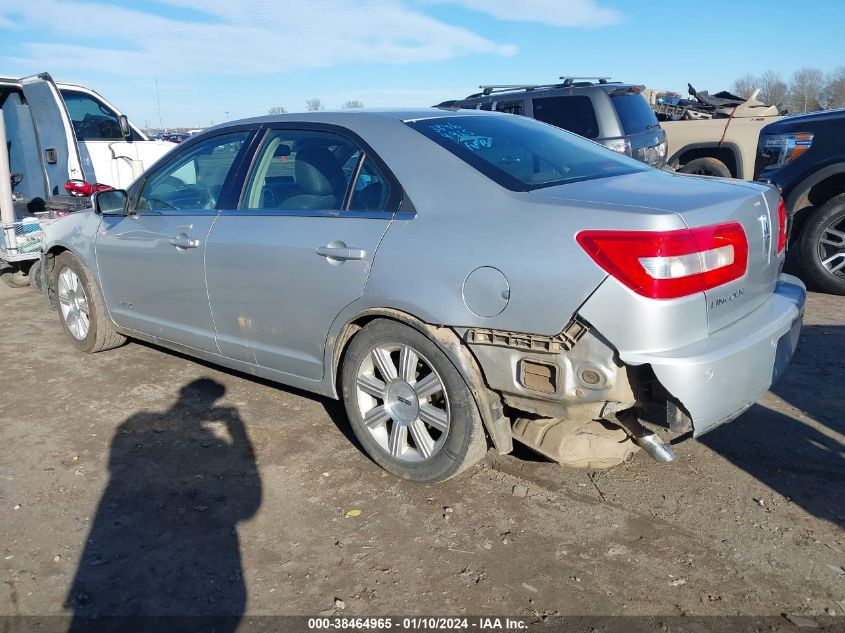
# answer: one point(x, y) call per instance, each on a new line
point(63, 132)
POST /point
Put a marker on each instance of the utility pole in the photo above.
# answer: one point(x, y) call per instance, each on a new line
point(227, 115)
point(158, 100)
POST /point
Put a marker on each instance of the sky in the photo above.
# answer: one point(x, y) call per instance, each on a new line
point(215, 60)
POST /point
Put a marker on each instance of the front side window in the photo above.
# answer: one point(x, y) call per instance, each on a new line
point(194, 180)
point(573, 113)
point(308, 170)
point(92, 119)
point(521, 154)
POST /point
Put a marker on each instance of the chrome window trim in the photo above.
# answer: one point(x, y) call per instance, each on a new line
point(303, 213)
point(167, 213)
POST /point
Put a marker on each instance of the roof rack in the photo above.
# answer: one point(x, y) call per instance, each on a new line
point(490, 89)
point(568, 81)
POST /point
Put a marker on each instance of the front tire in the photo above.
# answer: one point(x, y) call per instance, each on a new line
point(81, 308)
point(822, 246)
point(408, 405)
point(706, 166)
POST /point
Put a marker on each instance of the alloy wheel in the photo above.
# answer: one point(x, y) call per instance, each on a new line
point(832, 247)
point(73, 303)
point(403, 402)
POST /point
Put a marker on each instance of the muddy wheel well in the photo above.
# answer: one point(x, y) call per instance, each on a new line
point(826, 189)
point(342, 344)
point(802, 207)
point(358, 323)
point(723, 154)
point(51, 258)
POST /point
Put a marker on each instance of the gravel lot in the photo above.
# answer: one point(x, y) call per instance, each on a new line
point(141, 480)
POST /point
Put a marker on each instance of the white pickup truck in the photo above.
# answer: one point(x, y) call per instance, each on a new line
point(62, 139)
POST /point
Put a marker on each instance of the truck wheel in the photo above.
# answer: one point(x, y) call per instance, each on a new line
point(35, 275)
point(14, 277)
point(706, 166)
point(822, 246)
point(409, 406)
point(81, 307)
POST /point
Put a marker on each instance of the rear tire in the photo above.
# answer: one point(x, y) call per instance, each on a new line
point(822, 239)
point(14, 277)
point(706, 166)
point(81, 308)
point(35, 275)
point(409, 406)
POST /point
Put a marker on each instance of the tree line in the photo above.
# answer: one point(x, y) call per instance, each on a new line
point(807, 90)
point(315, 104)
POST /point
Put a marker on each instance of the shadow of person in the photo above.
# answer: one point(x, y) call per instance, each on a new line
point(164, 542)
point(802, 461)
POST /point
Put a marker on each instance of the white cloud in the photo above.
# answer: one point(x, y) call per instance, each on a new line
point(551, 12)
point(246, 37)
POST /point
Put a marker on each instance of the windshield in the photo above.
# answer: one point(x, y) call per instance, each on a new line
point(521, 154)
point(635, 114)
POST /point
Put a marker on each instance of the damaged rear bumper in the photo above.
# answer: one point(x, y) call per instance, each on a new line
point(718, 378)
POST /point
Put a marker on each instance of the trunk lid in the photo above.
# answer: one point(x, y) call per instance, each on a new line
point(756, 211)
point(700, 201)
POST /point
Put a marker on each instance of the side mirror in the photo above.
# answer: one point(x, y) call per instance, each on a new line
point(124, 127)
point(111, 202)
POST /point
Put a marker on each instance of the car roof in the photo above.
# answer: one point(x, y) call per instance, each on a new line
point(351, 116)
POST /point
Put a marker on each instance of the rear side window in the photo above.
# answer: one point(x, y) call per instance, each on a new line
point(635, 114)
point(511, 107)
point(371, 190)
point(308, 170)
point(573, 113)
point(521, 154)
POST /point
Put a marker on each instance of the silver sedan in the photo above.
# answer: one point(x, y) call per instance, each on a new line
point(460, 279)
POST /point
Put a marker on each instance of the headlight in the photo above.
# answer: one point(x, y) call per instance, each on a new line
point(781, 149)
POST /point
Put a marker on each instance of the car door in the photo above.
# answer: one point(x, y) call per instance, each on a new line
point(299, 247)
point(57, 147)
point(150, 261)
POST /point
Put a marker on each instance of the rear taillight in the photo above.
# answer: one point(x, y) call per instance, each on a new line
point(670, 264)
point(621, 145)
point(782, 221)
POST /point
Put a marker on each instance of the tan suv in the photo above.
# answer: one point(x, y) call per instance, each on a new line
point(712, 135)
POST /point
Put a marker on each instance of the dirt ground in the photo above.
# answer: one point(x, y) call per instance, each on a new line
point(138, 479)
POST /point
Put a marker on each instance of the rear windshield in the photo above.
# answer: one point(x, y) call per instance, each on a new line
point(635, 114)
point(521, 154)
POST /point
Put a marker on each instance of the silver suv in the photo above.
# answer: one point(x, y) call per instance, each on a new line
point(610, 113)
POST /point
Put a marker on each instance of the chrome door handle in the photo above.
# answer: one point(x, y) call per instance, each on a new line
point(341, 253)
point(182, 241)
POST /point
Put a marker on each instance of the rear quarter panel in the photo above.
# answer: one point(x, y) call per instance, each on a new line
point(465, 221)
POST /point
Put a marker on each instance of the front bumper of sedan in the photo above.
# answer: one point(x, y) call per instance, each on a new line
point(718, 378)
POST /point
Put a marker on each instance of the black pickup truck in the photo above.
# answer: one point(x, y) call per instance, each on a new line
point(805, 156)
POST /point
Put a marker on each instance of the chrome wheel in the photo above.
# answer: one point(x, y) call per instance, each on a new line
point(73, 304)
point(403, 402)
point(832, 247)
